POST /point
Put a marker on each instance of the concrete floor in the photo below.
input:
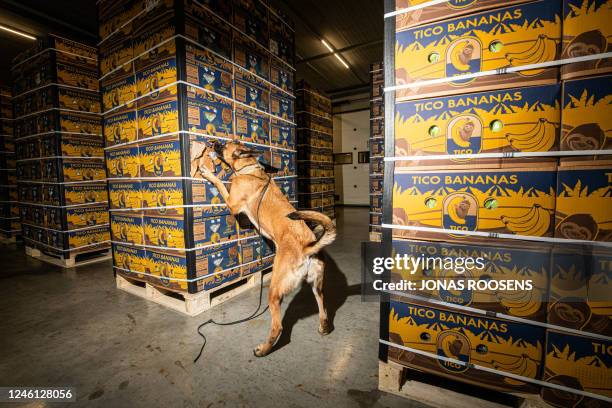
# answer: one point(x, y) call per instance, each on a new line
point(75, 328)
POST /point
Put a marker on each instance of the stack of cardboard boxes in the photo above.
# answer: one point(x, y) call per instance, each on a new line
point(60, 151)
point(377, 148)
point(452, 200)
point(10, 228)
point(315, 150)
point(177, 75)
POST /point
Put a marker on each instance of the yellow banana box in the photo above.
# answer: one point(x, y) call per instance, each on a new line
point(508, 200)
point(441, 11)
point(502, 38)
point(209, 114)
point(580, 289)
point(116, 53)
point(77, 100)
point(129, 258)
point(123, 162)
point(118, 89)
point(78, 169)
point(210, 230)
point(72, 145)
point(585, 126)
point(586, 31)
point(167, 269)
point(584, 203)
point(121, 126)
point(168, 232)
point(579, 363)
point(149, 80)
point(79, 77)
point(127, 226)
point(76, 217)
point(164, 198)
point(158, 119)
point(528, 264)
point(510, 120)
point(125, 194)
point(148, 37)
point(500, 345)
point(160, 159)
point(74, 194)
point(76, 122)
point(79, 238)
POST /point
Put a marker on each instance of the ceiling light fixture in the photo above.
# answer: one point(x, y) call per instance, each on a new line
point(19, 33)
point(331, 50)
point(341, 60)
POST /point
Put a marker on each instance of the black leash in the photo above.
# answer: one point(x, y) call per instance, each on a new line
point(256, 313)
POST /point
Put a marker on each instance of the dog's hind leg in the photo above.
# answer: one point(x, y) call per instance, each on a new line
point(315, 277)
point(274, 302)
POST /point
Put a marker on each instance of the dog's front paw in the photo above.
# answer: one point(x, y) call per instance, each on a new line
point(262, 350)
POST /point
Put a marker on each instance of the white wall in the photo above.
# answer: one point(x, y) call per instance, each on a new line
point(351, 134)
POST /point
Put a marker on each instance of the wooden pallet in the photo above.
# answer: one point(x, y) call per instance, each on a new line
point(414, 385)
point(191, 304)
point(71, 260)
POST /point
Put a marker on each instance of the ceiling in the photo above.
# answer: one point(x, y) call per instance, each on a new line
point(352, 27)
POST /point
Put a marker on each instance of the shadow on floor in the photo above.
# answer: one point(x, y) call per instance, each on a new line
point(335, 290)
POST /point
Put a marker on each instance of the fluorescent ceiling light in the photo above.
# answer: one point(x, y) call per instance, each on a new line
point(327, 46)
point(341, 60)
point(334, 53)
point(19, 33)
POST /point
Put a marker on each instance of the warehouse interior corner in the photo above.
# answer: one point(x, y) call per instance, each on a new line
point(385, 203)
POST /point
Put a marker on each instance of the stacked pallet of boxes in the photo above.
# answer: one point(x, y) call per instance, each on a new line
point(377, 148)
point(175, 77)
point(477, 173)
point(10, 228)
point(316, 181)
point(59, 150)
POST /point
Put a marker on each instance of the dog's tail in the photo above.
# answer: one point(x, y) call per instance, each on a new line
point(329, 229)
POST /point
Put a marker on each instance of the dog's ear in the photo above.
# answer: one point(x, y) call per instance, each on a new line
point(197, 150)
point(245, 152)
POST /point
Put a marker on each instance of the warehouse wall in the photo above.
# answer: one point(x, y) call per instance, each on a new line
point(351, 133)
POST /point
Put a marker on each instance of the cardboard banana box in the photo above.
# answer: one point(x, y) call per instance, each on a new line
point(375, 219)
point(314, 138)
point(9, 210)
point(251, 18)
point(282, 105)
point(151, 79)
point(121, 126)
point(207, 29)
point(377, 165)
point(251, 91)
point(171, 269)
point(71, 170)
point(376, 202)
point(510, 120)
point(377, 147)
point(377, 128)
point(314, 122)
point(502, 261)
point(72, 145)
point(441, 11)
point(505, 37)
point(77, 100)
point(75, 217)
point(496, 344)
point(281, 76)
point(161, 197)
point(160, 159)
point(114, 14)
point(222, 8)
point(127, 226)
point(508, 200)
point(125, 194)
point(209, 114)
point(78, 122)
point(251, 57)
point(146, 39)
point(9, 193)
point(288, 187)
point(285, 161)
point(79, 238)
point(123, 162)
point(118, 89)
point(585, 127)
point(159, 119)
point(252, 126)
point(580, 363)
point(282, 134)
point(586, 31)
point(79, 52)
point(117, 52)
point(376, 185)
point(129, 258)
point(584, 203)
point(209, 71)
point(68, 194)
point(580, 289)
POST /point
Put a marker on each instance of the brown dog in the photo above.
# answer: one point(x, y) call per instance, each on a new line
point(255, 194)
